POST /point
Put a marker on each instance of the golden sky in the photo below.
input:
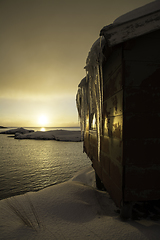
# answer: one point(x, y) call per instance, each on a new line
point(43, 49)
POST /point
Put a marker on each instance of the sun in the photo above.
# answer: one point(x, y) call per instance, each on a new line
point(42, 120)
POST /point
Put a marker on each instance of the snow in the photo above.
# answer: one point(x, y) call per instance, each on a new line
point(133, 24)
point(139, 12)
point(70, 210)
point(59, 135)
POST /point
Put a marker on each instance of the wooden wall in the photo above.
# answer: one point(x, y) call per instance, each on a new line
point(112, 138)
point(142, 118)
point(129, 162)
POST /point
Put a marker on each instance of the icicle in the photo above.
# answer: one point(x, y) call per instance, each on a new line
point(92, 91)
point(101, 77)
point(99, 110)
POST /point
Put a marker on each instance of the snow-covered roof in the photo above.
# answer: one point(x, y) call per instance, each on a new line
point(133, 24)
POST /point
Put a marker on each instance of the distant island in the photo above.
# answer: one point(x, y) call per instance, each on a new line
point(2, 127)
point(17, 130)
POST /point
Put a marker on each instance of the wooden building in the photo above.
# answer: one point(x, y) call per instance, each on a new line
point(119, 106)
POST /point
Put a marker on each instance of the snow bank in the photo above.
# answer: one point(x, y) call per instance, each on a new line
point(70, 210)
point(59, 135)
point(86, 176)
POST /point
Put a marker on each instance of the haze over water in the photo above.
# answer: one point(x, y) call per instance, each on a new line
point(30, 165)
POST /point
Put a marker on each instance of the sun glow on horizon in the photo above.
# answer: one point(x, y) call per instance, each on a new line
point(43, 120)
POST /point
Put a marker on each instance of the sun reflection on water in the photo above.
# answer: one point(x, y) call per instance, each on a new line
point(43, 129)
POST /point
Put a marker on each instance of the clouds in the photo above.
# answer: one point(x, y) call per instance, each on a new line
point(44, 44)
point(39, 45)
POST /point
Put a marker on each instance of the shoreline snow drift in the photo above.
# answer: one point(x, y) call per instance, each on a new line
point(70, 210)
point(58, 135)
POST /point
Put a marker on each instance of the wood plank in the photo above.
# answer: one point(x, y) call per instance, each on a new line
point(145, 48)
point(140, 152)
point(142, 74)
point(141, 99)
point(128, 30)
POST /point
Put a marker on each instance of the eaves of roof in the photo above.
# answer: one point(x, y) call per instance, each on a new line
point(118, 33)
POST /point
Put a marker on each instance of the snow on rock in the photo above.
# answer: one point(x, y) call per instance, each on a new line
point(59, 135)
point(70, 210)
point(17, 130)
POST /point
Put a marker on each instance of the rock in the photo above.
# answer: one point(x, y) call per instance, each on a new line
point(17, 130)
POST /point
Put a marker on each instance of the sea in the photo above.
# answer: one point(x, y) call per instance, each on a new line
point(30, 165)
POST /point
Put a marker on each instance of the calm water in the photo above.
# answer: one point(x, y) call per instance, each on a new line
point(30, 165)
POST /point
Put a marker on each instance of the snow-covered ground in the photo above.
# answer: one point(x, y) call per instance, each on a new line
point(71, 210)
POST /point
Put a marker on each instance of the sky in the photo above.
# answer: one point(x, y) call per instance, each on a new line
point(43, 48)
